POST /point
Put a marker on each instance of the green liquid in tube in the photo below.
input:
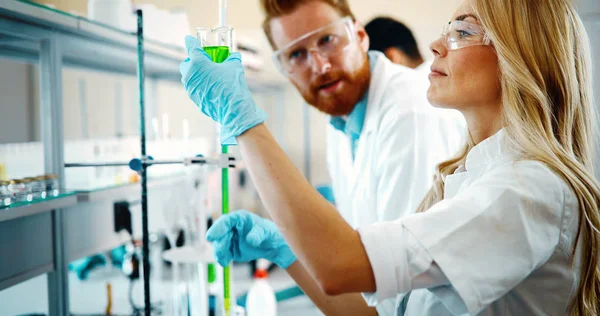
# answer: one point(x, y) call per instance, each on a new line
point(212, 273)
point(219, 54)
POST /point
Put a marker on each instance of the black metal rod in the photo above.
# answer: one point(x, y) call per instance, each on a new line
point(93, 164)
point(145, 232)
point(148, 163)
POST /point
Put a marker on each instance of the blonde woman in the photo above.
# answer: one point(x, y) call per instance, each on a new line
point(511, 225)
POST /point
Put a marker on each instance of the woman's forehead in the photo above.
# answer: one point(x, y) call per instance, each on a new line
point(465, 12)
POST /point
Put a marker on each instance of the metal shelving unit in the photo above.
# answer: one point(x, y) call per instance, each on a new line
point(73, 224)
point(24, 209)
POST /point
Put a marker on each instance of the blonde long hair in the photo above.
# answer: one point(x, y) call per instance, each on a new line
point(547, 107)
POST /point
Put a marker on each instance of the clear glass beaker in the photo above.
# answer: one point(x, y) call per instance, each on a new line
point(188, 292)
point(218, 43)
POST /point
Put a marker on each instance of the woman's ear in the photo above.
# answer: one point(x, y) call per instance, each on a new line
point(363, 37)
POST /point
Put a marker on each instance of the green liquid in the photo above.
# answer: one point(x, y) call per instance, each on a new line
point(218, 54)
point(212, 273)
point(225, 210)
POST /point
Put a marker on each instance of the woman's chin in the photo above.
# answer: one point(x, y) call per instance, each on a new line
point(436, 101)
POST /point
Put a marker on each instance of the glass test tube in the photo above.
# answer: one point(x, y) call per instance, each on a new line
point(218, 43)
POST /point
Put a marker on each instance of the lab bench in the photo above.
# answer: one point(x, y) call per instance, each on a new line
point(42, 237)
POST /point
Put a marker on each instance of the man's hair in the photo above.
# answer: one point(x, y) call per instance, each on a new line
point(386, 32)
point(276, 8)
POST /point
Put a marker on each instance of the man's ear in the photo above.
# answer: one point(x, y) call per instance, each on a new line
point(363, 37)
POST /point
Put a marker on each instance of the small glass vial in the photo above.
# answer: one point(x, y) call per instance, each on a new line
point(41, 182)
point(36, 188)
point(52, 186)
point(5, 194)
point(28, 183)
point(18, 190)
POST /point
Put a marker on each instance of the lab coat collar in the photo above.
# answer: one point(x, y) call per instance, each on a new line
point(380, 76)
point(487, 151)
point(352, 125)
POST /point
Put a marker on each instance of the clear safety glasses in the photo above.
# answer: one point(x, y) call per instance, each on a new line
point(461, 34)
point(329, 40)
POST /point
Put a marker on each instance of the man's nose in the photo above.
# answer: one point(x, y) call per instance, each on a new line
point(319, 63)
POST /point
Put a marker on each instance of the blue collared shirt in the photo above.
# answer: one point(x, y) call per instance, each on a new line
point(352, 125)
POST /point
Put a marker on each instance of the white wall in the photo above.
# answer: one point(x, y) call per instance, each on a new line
point(589, 10)
point(15, 102)
point(101, 93)
point(590, 13)
point(426, 17)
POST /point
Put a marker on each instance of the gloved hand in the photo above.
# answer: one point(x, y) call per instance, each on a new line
point(243, 236)
point(220, 91)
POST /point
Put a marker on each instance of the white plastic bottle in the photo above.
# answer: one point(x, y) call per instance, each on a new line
point(261, 297)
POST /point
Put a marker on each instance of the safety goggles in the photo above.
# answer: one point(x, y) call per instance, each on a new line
point(461, 34)
point(327, 41)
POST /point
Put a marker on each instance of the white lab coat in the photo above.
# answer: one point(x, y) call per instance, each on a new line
point(499, 244)
point(402, 141)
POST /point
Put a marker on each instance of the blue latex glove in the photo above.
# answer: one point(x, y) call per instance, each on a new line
point(244, 236)
point(220, 91)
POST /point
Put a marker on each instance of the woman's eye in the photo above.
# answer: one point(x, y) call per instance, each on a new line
point(463, 33)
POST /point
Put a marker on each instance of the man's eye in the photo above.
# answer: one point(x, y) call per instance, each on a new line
point(296, 54)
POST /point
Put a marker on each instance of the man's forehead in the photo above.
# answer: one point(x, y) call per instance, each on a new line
point(303, 20)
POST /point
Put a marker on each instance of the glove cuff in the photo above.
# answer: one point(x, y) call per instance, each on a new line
point(235, 128)
point(287, 258)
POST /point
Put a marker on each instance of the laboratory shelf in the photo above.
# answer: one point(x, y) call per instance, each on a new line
point(26, 242)
point(83, 43)
point(68, 199)
point(22, 209)
point(91, 45)
point(26, 229)
point(24, 276)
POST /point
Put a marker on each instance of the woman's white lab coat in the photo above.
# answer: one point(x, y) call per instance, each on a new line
point(500, 243)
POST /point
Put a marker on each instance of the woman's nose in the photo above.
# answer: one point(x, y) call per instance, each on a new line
point(438, 48)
